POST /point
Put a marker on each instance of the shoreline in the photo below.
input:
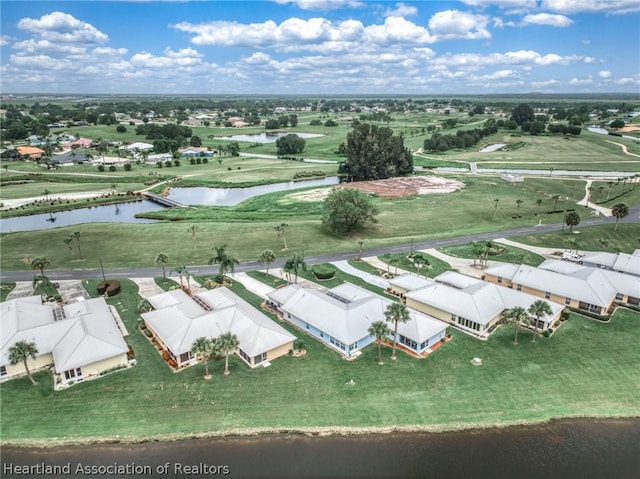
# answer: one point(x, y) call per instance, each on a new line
point(320, 431)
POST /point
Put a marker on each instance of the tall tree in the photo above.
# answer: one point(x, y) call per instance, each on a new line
point(203, 348)
point(345, 208)
point(538, 309)
point(193, 230)
point(374, 152)
point(162, 259)
point(281, 231)
point(619, 211)
point(20, 353)
point(225, 344)
point(420, 260)
point(267, 257)
point(518, 205)
point(379, 330)
point(396, 313)
point(387, 259)
point(515, 316)
point(572, 219)
point(495, 206)
point(40, 263)
point(522, 114)
point(555, 201)
point(226, 261)
point(67, 242)
point(295, 264)
point(76, 236)
point(183, 272)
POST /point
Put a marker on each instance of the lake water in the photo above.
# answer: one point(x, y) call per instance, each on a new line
point(121, 213)
point(234, 196)
point(266, 137)
point(564, 449)
point(492, 147)
point(541, 171)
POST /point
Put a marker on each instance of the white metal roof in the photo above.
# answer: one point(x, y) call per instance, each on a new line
point(409, 281)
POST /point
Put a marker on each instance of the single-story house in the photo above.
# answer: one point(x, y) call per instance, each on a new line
point(159, 158)
point(81, 143)
point(626, 286)
point(470, 304)
point(589, 291)
point(70, 157)
point(341, 317)
point(179, 319)
point(30, 152)
point(622, 262)
point(137, 146)
point(80, 339)
point(192, 152)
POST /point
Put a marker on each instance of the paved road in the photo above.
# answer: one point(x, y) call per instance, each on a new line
point(93, 273)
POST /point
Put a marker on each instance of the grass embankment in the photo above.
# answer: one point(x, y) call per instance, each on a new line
point(593, 238)
point(586, 368)
point(248, 227)
point(502, 253)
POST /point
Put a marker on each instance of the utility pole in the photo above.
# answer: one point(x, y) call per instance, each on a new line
point(102, 268)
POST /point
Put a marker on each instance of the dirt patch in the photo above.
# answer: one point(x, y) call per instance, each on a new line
point(413, 185)
point(389, 188)
point(629, 128)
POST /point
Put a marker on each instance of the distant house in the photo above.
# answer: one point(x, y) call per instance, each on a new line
point(588, 289)
point(192, 152)
point(159, 158)
point(30, 152)
point(80, 340)
point(341, 317)
point(179, 319)
point(470, 304)
point(622, 262)
point(81, 143)
point(70, 157)
point(138, 146)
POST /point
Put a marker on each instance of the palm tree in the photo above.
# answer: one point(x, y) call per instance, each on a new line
point(420, 260)
point(619, 211)
point(516, 316)
point(267, 257)
point(538, 203)
point(225, 261)
point(590, 191)
point(555, 201)
point(572, 219)
point(162, 259)
point(380, 331)
point(495, 206)
point(202, 349)
point(76, 236)
point(192, 229)
point(538, 309)
point(297, 263)
point(183, 272)
point(67, 242)
point(226, 344)
point(288, 268)
point(572, 243)
point(360, 243)
point(395, 261)
point(387, 259)
point(40, 263)
point(280, 231)
point(519, 204)
point(396, 313)
point(20, 352)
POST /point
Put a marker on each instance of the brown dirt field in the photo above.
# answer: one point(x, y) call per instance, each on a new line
point(413, 185)
point(629, 128)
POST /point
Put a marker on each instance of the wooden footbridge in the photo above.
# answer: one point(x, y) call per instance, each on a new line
point(163, 200)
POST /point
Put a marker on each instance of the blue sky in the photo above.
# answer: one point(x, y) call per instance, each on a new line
point(320, 46)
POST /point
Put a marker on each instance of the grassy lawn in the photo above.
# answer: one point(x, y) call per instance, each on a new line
point(166, 283)
point(248, 227)
point(437, 266)
point(507, 254)
point(339, 278)
point(268, 279)
point(593, 238)
point(586, 369)
point(5, 289)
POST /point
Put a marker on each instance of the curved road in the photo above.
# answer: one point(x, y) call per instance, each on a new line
point(8, 276)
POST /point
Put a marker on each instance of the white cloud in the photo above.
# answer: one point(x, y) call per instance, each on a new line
point(586, 42)
point(510, 6)
point(605, 74)
point(477, 61)
point(62, 28)
point(580, 81)
point(545, 84)
point(35, 46)
point(322, 5)
point(627, 81)
point(401, 10)
point(454, 24)
point(5, 40)
point(592, 6)
point(550, 19)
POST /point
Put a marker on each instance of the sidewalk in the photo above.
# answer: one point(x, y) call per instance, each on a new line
point(368, 277)
point(381, 265)
point(546, 252)
point(462, 265)
point(253, 285)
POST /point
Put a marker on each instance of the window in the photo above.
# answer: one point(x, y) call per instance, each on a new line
point(3, 370)
point(408, 342)
point(73, 373)
point(519, 287)
point(499, 279)
point(260, 358)
point(453, 318)
point(337, 343)
point(567, 301)
point(353, 346)
point(244, 356)
point(547, 295)
point(619, 297)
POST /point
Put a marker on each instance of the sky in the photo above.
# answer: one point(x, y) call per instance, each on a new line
point(320, 47)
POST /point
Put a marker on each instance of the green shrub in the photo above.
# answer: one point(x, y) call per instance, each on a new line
point(100, 167)
point(321, 271)
point(112, 168)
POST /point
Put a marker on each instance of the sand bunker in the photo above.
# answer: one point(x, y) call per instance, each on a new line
point(389, 188)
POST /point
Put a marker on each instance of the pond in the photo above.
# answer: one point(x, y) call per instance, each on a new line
point(234, 196)
point(492, 147)
point(120, 213)
point(266, 137)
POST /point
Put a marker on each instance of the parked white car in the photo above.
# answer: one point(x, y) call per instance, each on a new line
point(576, 258)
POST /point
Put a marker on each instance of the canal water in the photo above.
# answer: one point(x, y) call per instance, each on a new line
point(266, 137)
point(564, 449)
